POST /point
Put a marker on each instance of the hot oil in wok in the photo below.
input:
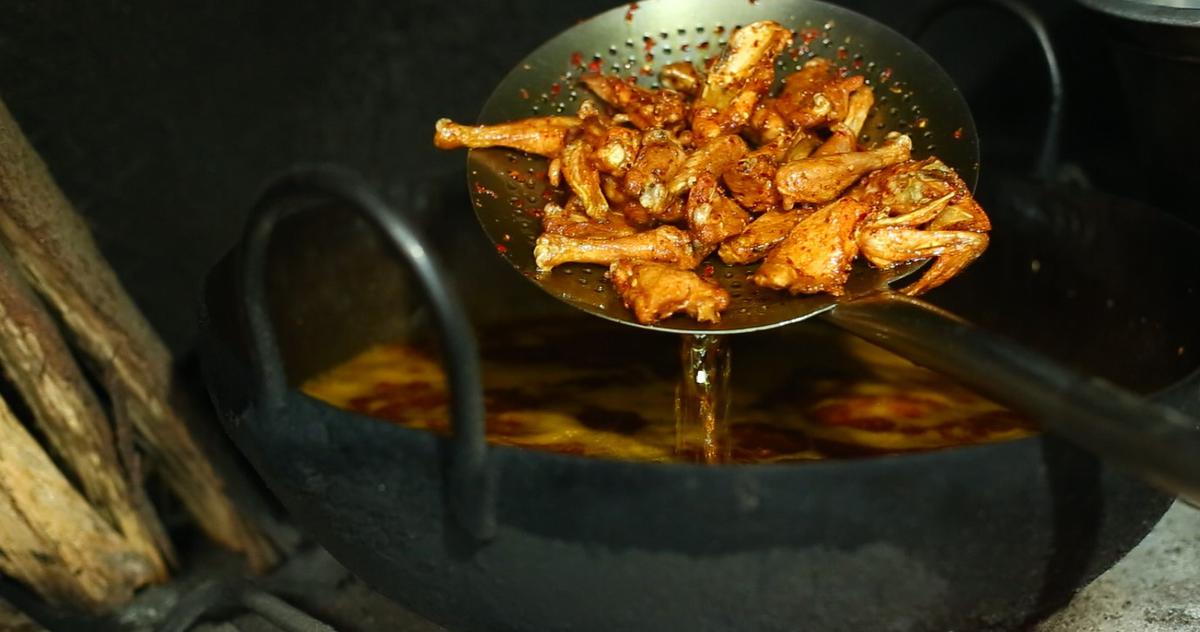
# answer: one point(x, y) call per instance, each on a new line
point(599, 390)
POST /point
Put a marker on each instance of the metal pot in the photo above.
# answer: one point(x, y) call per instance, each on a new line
point(482, 537)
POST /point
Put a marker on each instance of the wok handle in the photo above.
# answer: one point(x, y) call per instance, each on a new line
point(1159, 444)
point(471, 489)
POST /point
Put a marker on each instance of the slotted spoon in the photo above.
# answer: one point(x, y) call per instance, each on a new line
point(914, 96)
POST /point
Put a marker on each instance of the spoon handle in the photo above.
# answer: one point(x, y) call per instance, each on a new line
point(1159, 444)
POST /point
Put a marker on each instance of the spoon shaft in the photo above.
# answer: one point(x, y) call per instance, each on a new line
point(1157, 443)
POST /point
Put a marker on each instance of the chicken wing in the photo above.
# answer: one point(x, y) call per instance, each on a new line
point(740, 77)
point(543, 136)
point(645, 108)
point(681, 76)
point(818, 180)
point(887, 246)
point(905, 187)
point(655, 291)
point(751, 180)
point(659, 157)
point(843, 137)
point(571, 221)
point(817, 253)
point(665, 244)
point(713, 158)
point(712, 217)
point(816, 95)
point(618, 150)
point(760, 236)
point(584, 180)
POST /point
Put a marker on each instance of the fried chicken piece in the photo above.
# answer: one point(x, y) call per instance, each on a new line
point(584, 180)
point(618, 150)
point(655, 291)
point(843, 136)
point(645, 108)
point(571, 221)
point(681, 76)
point(912, 224)
point(905, 187)
point(712, 217)
point(803, 146)
point(760, 236)
point(740, 77)
point(817, 253)
point(818, 180)
point(713, 158)
point(659, 157)
point(887, 246)
point(542, 136)
point(816, 95)
point(665, 244)
point(751, 180)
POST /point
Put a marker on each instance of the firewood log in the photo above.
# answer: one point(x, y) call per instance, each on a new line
point(37, 361)
point(53, 247)
point(52, 539)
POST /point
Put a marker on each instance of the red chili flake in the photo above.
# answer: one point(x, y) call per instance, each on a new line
point(703, 46)
point(709, 270)
point(594, 66)
point(958, 134)
point(649, 57)
point(885, 75)
point(648, 43)
point(842, 53)
point(809, 34)
point(523, 93)
point(482, 190)
point(576, 58)
point(843, 72)
point(795, 53)
point(633, 6)
point(857, 63)
point(555, 89)
point(501, 248)
point(514, 174)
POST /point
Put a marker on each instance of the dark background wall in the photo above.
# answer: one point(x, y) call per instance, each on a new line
point(162, 119)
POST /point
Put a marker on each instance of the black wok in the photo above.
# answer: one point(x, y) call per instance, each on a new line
point(498, 538)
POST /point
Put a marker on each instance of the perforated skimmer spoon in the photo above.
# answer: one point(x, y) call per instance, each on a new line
point(914, 96)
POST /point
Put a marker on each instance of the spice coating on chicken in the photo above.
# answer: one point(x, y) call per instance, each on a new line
point(822, 179)
point(760, 236)
point(544, 136)
point(817, 253)
point(665, 244)
point(655, 291)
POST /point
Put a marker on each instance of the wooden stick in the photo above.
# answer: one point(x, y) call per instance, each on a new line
point(13, 620)
point(56, 251)
point(50, 537)
point(38, 362)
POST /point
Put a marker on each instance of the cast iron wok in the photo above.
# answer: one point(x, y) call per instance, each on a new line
point(495, 538)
